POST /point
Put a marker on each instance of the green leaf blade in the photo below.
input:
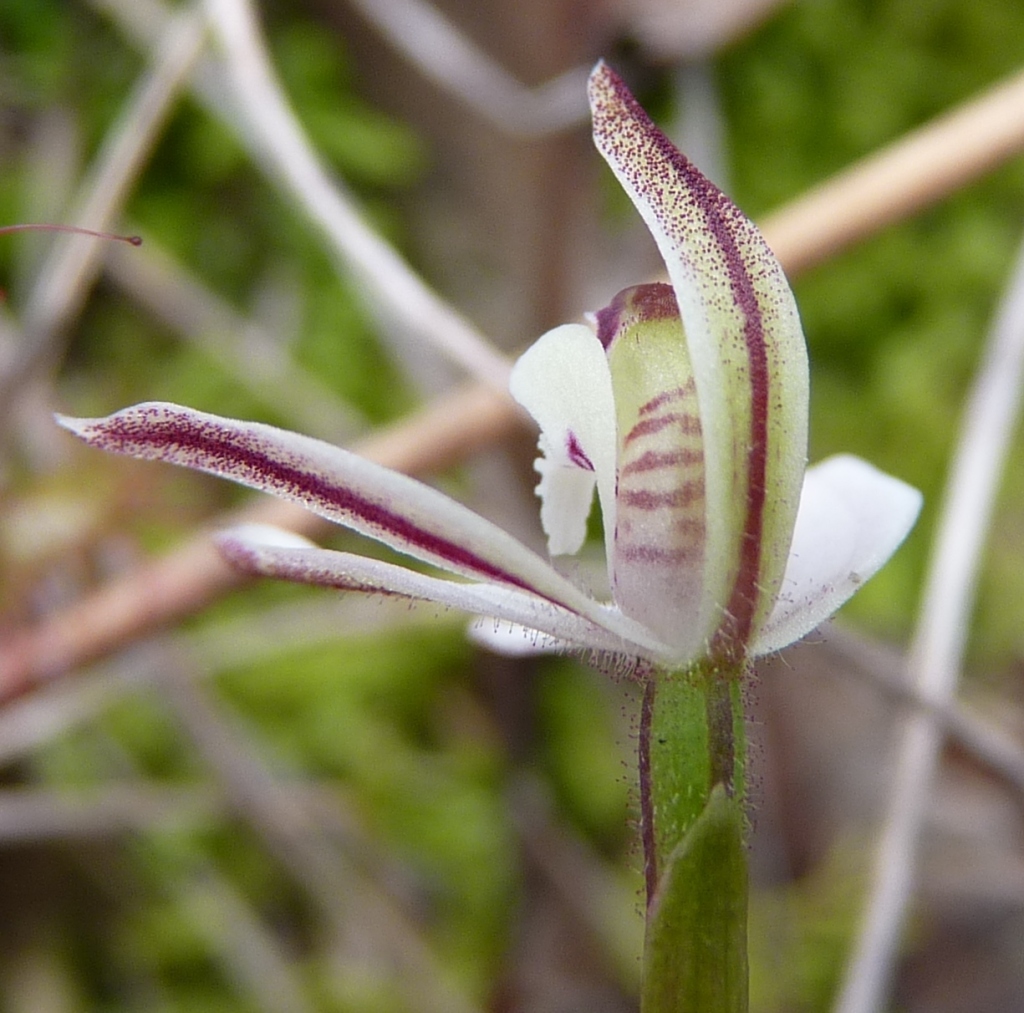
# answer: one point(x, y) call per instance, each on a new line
point(695, 957)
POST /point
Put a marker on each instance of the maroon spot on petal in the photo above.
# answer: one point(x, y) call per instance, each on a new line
point(608, 321)
point(653, 301)
point(576, 453)
point(637, 304)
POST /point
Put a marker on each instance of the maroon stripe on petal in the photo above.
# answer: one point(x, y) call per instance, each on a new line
point(657, 499)
point(577, 454)
point(689, 425)
point(657, 555)
point(210, 446)
point(667, 397)
point(723, 219)
point(653, 460)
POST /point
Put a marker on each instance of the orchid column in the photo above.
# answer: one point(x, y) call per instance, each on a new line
point(685, 407)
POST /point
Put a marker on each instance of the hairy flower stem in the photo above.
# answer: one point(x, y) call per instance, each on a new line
point(692, 786)
point(727, 740)
point(691, 739)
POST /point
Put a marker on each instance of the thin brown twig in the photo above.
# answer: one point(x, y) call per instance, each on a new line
point(910, 174)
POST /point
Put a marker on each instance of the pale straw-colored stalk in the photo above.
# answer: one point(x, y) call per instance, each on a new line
point(383, 276)
point(453, 61)
point(934, 660)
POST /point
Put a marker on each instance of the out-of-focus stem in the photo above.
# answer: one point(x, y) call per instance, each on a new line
point(910, 174)
point(935, 655)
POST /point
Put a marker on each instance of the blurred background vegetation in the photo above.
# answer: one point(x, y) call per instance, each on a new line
point(353, 809)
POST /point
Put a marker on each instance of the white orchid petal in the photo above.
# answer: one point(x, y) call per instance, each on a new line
point(562, 380)
point(347, 572)
point(852, 518)
point(271, 535)
point(513, 640)
point(341, 486)
point(748, 356)
point(566, 494)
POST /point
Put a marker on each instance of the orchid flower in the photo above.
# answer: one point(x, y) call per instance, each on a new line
point(686, 408)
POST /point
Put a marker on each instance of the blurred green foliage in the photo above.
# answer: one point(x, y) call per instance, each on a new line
point(894, 326)
point(800, 934)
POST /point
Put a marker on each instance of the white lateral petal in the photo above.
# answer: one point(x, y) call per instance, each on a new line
point(852, 518)
point(271, 535)
point(562, 380)
point(514, 640)
point(347, 572)
point(336, 484)
point(566, 493)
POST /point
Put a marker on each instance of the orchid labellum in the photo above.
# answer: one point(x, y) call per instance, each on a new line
point(685, 407)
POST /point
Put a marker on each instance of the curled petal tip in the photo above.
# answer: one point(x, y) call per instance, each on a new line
point(79, 427)
point(263, 535)
point(245, 545)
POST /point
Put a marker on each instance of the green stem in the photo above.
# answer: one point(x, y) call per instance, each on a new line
point(691, 738)
point(721, 735)
point(692, 787)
